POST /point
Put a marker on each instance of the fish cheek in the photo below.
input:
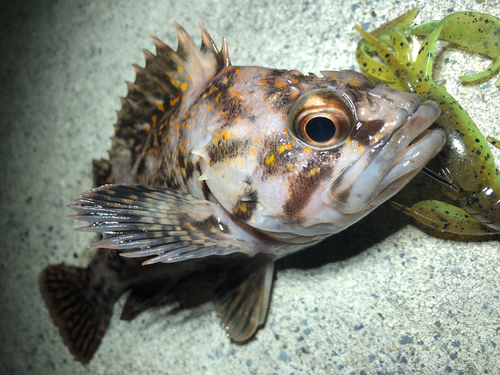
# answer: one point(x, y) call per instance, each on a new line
point(228, 176)
point(302, 186)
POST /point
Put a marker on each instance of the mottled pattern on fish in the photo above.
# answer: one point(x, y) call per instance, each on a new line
point(213, 162)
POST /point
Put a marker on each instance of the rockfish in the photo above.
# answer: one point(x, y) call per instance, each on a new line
point(234, 167)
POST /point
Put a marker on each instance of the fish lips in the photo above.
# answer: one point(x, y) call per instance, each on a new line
point(385, 169)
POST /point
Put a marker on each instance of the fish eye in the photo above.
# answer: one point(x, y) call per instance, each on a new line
point(321, 119)
point(320, 129)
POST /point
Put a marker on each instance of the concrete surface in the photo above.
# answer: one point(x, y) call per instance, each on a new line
point(386, 296)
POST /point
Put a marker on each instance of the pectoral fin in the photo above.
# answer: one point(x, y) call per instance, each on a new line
point(242, 300)
point(169, 224)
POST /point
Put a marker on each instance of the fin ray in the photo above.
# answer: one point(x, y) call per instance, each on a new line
point(81, 324)
point(174, 226)
point(242, 302)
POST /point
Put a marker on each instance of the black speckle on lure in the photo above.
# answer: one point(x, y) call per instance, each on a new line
point(465, 164)
point(234, 167)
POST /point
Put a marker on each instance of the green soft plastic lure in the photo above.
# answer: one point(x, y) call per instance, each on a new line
point(465, 169)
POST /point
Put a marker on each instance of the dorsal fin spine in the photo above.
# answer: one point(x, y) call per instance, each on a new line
point(168, 79)
point(225, 53)
point(207, 43)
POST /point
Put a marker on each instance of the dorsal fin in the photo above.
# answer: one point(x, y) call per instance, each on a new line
point(168, 78)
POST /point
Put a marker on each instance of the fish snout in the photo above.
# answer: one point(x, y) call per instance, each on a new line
point(389, 163)
point(392, 107)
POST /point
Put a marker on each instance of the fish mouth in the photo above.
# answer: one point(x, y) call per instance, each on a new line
point(381, 172)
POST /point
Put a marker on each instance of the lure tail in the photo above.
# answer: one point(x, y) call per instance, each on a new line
point(81, 317)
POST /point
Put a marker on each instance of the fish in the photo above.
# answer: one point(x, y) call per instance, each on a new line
point(232, 167)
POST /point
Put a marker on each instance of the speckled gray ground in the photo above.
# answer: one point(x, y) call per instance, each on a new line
point(385, 296)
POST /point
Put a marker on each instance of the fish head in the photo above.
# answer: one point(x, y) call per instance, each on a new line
point(307, 157)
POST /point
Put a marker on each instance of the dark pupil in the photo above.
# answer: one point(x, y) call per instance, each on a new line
point(320, 129)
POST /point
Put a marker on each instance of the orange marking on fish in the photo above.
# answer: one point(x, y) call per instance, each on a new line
point(225, 135)
point(179, 69)
point(218, 96)
point(282, 148)
point(270, 160)
point(294, 92)
point(159, 105)
point(307, 149)
point(280, 83)
point(243, 207)
point(314, 171)
point(184, 86)
point(173, 101)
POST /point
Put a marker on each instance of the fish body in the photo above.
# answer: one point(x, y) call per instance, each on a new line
point(215, 164)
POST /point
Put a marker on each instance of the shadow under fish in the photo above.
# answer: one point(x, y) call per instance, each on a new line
point(215, 165)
